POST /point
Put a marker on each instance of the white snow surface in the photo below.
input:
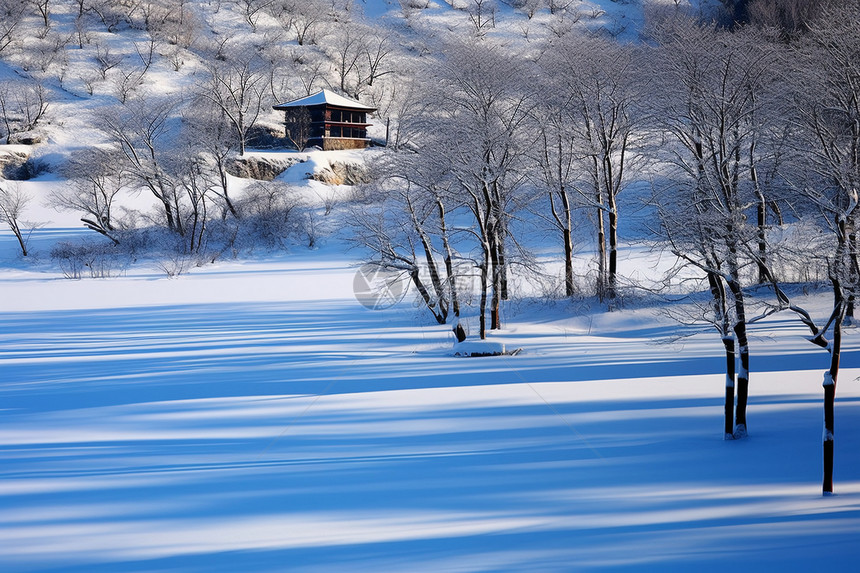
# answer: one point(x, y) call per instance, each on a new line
point(252, 416)
point(325, 96)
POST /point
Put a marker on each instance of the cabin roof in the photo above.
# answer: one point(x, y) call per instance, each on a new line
point(324, 97)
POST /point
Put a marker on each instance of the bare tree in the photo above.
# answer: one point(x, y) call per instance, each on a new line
point(406, 230)
point(271, 214)
point(252, 10)
point(303, 18)
point(346, 53)
point(827, 106)
point(559, 6)
point(710, 81)
point(114, 13)
point(482, 16)
point(13, 201)
point(43, 9)
point(298, 126)
point(825, 169)
point(311, 74)
point(790, 17)
point(484, 103)
point(47, 53)
point(11, 16)
point(83, 23)
point(378, 49)
point(23, 104)
point(142, 136)
point(557, 156)
point(94, 182)
point(360, 56)
point(529, 7)
point(237, 87)
point(407, 106)
point(207, 135)
point(129, 76)
point(468, 158)
point(175, 23)
point(105, 60)
point(191, 172)
point(596, 115)
point(833, 345)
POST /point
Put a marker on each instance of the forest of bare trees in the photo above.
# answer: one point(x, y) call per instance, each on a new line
point(746, 130)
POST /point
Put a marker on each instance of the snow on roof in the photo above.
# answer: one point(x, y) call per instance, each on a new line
point(325, 97)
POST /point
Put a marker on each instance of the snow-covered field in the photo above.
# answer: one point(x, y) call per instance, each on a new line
point(252, 416)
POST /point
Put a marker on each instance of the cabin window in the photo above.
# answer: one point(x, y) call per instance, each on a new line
point(344, 116)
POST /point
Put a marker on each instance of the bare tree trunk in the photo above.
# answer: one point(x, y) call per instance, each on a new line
point(425, 296)
point(494, 254)
point(612, 188)
point(829, 408)
point(601, 252)
point(613, 250)
point(168, 213)
point(740, 329)
point(496, 279)
point(500, 232)
point(222, 176)
point(503, 267)
point(721, 320)
point(601, 222)
point(568, 262)
point(241, 139)
point(830, 389)
point(729, 344)
point(761, 219)
point(561, 215)
point(743, 381)
point(18, 235)
point(483, 305)
point(449, 263)
point(761, 212)
point(441, 302)
point(834, 347)
point(853, 269)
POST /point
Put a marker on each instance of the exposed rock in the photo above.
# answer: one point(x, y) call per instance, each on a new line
point(25, 138)
point(265, 137)
point(343, 174)
point(13, 166)
point(260, 168)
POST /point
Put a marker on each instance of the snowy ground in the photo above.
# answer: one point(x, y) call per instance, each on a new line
point(252, 416)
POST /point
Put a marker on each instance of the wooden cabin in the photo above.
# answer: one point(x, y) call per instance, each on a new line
point(326, 120)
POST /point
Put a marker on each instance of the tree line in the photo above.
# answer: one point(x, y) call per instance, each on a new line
point(748, 137)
